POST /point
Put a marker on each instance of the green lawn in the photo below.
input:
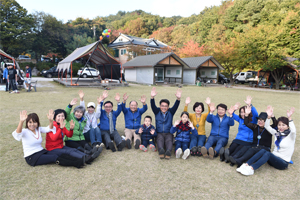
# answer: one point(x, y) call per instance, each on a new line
point(133, 174)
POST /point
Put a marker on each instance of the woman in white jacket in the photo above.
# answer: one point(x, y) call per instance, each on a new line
point(285, 138)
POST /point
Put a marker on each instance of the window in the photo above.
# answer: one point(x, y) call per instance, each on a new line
point(213, 73)
point(123, 51)
point(168, 72)
point(177, 71)
point(120, 40)
point(203, 73)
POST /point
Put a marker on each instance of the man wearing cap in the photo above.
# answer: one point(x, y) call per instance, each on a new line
point(91, 130)
point(262, 139)
point(219, 133)
point(132, 116)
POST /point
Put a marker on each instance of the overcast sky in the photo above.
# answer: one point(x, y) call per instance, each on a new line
point(71, 9)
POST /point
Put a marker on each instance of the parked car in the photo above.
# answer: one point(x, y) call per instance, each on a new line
point(243, 76)
point(45, 59)
point(88, 72)
point(53, 73)
point(222, 79)
point(23, 57)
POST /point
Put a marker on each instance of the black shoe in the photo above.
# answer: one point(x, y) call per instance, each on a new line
point(137, 144)
point(222, 156)
point(161, 153)
point(128, 144)
point(112, 146)
point(94, 144)
point(199, 151)
point(194, 151)
point(231, 164)
point(232, 160)
point(87, 147)
point(227, 154)
point(99, 149)
point(121, 145)
point(168, 155)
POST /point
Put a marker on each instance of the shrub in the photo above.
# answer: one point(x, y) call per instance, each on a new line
point(75, 68)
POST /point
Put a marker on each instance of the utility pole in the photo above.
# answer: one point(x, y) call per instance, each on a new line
point(94, 29)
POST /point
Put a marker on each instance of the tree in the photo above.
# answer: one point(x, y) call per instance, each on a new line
point(191, 49)
point(15, 26)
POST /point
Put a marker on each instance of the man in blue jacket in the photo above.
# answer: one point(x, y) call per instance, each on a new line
point(132, 116)
point(5, 76)
point(219, 133)
point(108, 119)
point(164, 121)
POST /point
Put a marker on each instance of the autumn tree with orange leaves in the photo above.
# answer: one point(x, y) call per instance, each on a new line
point(191, 49)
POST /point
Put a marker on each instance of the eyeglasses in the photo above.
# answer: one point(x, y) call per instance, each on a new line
point(164, 106)
point(107, 106)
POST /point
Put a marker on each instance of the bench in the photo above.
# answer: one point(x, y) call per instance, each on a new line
point(30, 85)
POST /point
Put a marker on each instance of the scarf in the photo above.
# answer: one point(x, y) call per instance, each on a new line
point(280, 136)
point(183, 127)
point(111, 123)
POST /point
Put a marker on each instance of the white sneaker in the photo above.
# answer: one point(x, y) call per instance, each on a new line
point(241, 167)
point(247, 170)
point(186, 154)
point(102, 145)
point(178, 152)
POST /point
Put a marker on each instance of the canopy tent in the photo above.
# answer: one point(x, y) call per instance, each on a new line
point(95, 53)
point(5, 55)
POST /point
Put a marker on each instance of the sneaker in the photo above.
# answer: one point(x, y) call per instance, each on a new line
point(121, 145)
point(199, 151)
point(137, 144)
point(143, 148)
point(161, 153)
point(178, 152)
point(152, 147)
point(222, 156)
point(12, 92)
point(101, 145)
point(227, 154)
point(194, 151)
point(168, 155)
point(211, 152)
point(204, 152)
point(112, 146)
point(247, 170)
point(128, 144)
point(239, 169)
point(186, 154)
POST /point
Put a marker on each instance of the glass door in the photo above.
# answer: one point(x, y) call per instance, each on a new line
point(159, 74)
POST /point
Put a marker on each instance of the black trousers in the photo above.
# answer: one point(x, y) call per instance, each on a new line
point(164, 140)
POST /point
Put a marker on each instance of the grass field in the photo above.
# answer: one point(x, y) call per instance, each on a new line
point(133, 174)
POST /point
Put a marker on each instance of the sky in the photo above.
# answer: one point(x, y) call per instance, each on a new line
point(65, 10)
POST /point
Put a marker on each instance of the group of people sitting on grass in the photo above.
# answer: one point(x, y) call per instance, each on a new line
point(85, 138)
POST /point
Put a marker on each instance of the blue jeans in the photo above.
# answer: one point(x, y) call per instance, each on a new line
point(148, 142)
point(216, 140)
point(197, 140)
point(264, 156)
point(93, 135)
point(70, 151)
point(182, 145)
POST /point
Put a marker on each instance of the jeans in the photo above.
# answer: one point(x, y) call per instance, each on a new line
point(247, 155)
point(109, 137)
point(148, 142)
point(70, 151)
point(182, 145)
point(12, 84)
point(216, 140)
point(264, 156)
point(47, 158)
point(197, 140)
point(93, 135)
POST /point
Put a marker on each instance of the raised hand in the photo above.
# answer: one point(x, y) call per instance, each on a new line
point(100, 98)
point(152, 131)
point(72, 124)
point(176, 122)
point(140, 130)
point(125, 97)
point(153, 92)
point(231, 110)
point(207, 101)
point(236, 106)
point(105, 94)
point(248, 100)
point(63, 124)
point(73, 102)
point(212, 107)
point(187, 101)
point(117, 97)
point(23, 115)
point(247, 110)
point(81, 95)
point(290, 113)
point(191, 125)
point(269, 111)
point(50, 115)
point(178, 93)
point(143, 99)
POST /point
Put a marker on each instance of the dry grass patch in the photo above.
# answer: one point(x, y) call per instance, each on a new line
point(133, 174)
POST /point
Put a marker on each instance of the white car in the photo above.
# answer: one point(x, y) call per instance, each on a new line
point(88, 72)
point(23, 57)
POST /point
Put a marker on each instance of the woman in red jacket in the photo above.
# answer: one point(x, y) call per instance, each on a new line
point(55, 142)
